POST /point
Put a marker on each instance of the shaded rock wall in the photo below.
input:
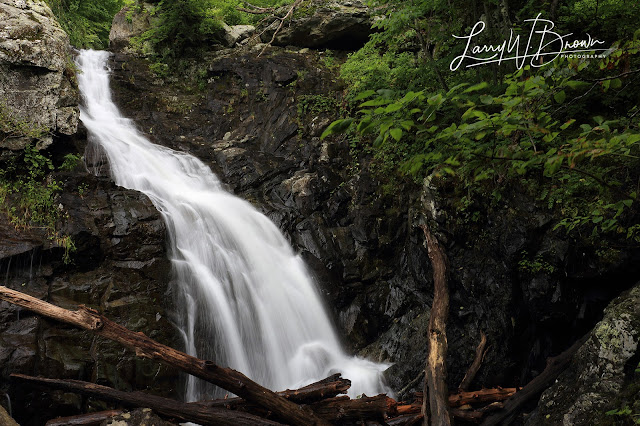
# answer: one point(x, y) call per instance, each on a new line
point(119, 268)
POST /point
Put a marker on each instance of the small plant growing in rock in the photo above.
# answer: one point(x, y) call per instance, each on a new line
point(28, 194)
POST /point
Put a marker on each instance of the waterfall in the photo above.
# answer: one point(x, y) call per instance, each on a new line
point(244, 299)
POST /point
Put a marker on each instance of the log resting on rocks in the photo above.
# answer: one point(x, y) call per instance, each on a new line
point(168, 407)
point(226, 378)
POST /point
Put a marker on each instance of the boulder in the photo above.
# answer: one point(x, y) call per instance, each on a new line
point(336, 24)
point(37, 86)
point(127, 24)
point(599, 370)
point(236, 34)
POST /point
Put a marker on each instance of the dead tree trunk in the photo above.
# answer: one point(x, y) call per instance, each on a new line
point(226, 378)
point(167, 407)
point(435, 404)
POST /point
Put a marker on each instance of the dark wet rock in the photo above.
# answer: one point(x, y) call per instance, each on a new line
point(119, 268)
point(599, 371)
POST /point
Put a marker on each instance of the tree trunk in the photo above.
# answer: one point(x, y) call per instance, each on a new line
point(435, 404)
point(226, 378)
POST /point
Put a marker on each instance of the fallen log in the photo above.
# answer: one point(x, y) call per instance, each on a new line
point(89, 419)
point(555, 366)
point(341, 408)
point(164, 406)
point(326, 388)
point(467, 415)
point(481, 396)
point(406, 420)
point(459, 399)
point(226, 378)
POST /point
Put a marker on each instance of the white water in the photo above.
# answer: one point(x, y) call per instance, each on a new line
point(244, 298)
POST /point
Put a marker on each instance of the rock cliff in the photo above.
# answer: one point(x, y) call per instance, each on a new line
point(36, 72)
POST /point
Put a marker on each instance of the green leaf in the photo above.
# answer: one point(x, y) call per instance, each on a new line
point(486, 99)
point(572, 84)
point(338, 126)
point(396, 133)
point(407, 124)
point(375, 102)
point(393, 107)
point(567, 124)
point(476, 87)
point(364, 95)
point(616, 83)
point(560, 96)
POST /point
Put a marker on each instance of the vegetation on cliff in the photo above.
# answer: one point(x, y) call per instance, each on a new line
point(566, 131)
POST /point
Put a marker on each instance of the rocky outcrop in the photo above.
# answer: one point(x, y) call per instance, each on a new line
point(37, 84)
point(599, 371)
point(330, 24)
point(119, 268)
point(128, 23)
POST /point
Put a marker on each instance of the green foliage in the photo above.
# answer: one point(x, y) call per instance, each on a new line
point(28, 195)
point(535, 265)
point(70, 162)
point(369, 69)
point(183, 27)
point(187, 27)
point(524, 128)
point(625, 413)
point(315, 104)
point(87, 22)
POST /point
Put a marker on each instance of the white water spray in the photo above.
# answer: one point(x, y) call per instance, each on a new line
point(245, 299)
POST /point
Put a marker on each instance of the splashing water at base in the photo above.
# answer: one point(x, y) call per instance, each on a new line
point(244, 298)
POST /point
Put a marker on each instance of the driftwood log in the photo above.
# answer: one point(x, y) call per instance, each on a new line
point(226, 378)
point(164, 406)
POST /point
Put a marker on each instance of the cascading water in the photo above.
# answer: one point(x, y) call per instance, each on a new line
point(244, 298)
